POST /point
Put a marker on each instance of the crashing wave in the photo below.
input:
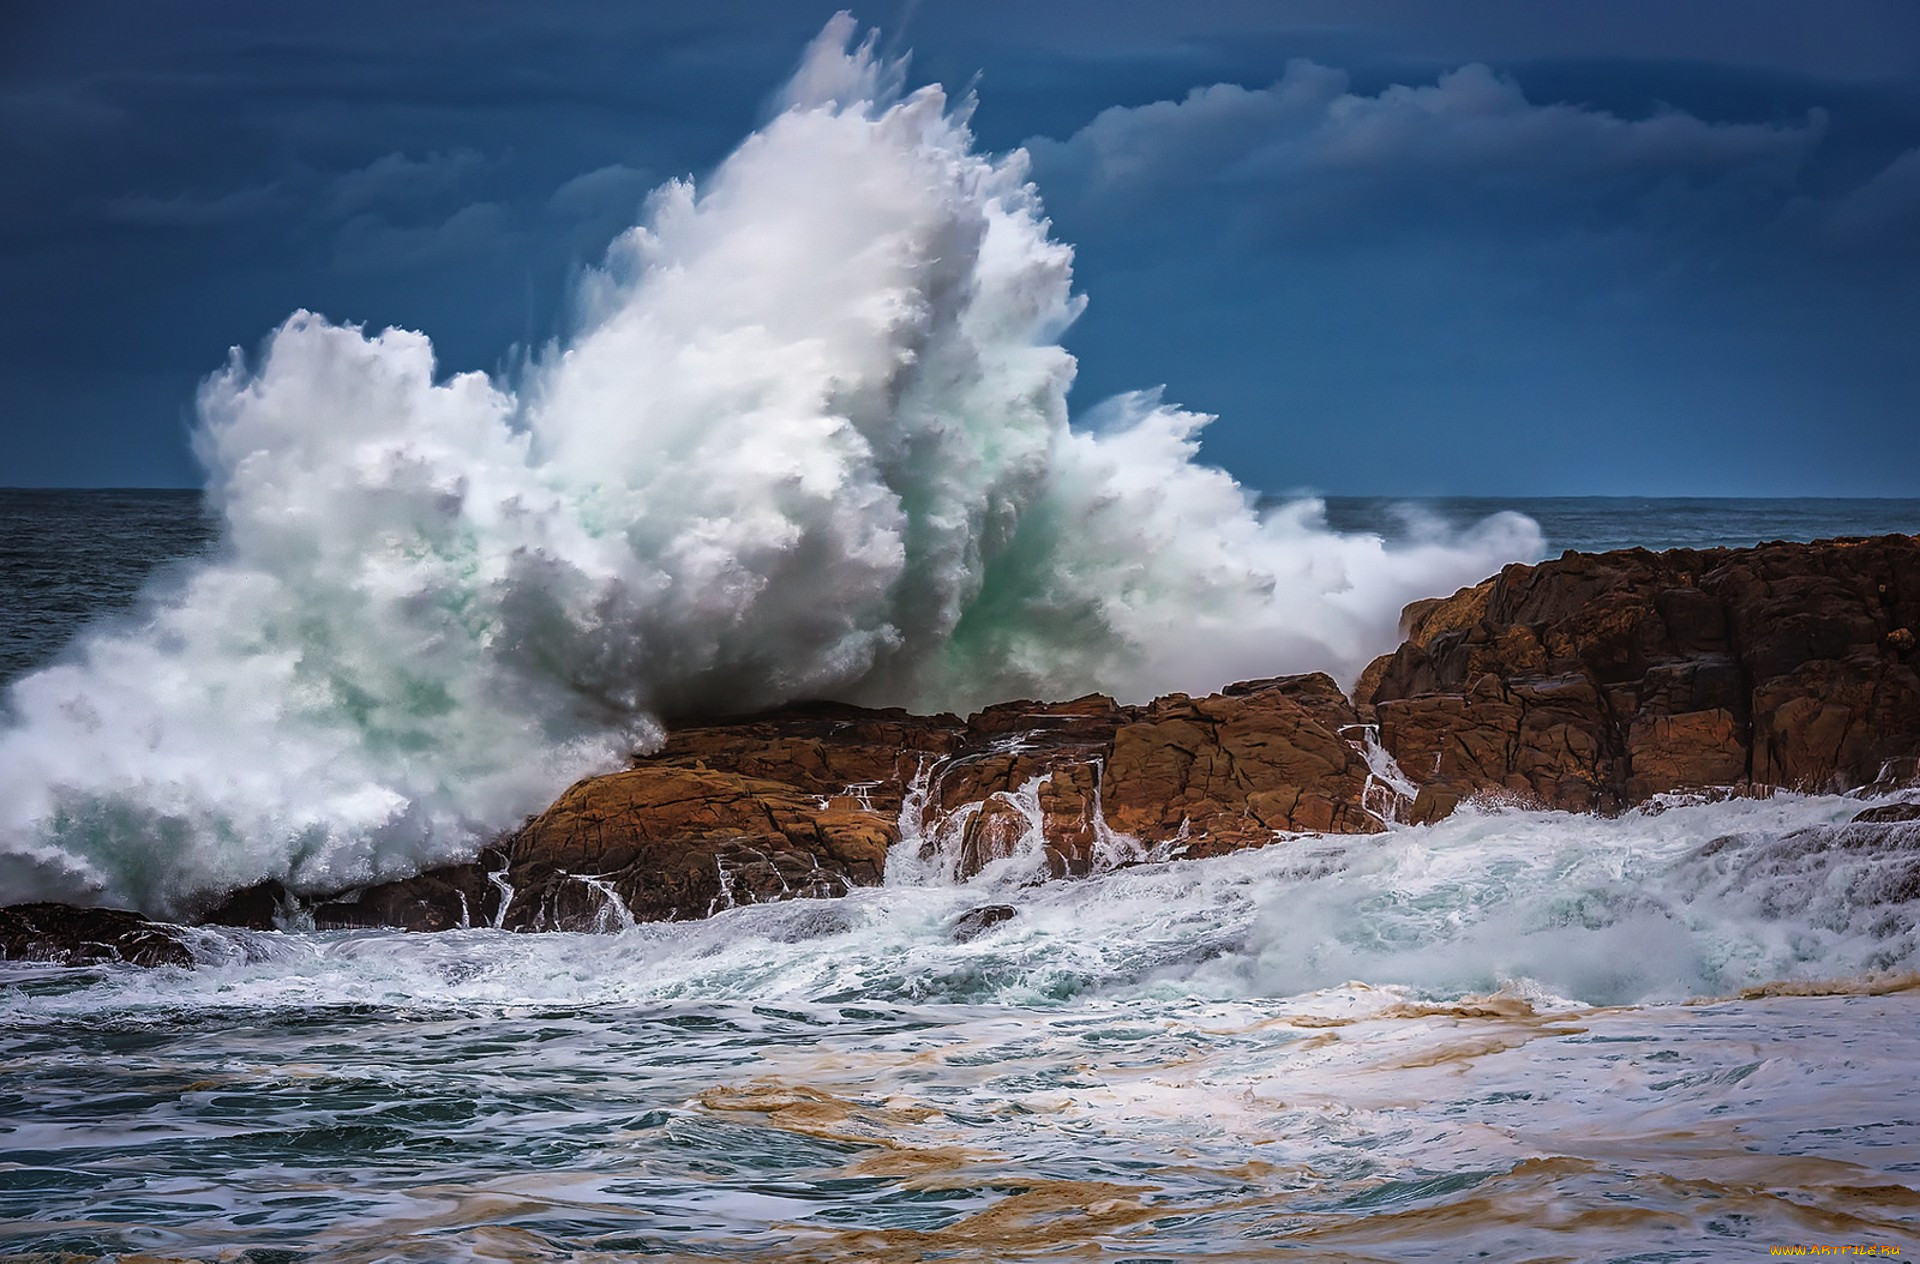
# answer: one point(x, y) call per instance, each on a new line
point(810, 438)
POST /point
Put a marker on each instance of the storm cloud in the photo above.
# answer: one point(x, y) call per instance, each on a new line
point(1473, 247)
point(1450, 286)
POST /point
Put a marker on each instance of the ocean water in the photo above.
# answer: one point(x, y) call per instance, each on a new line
point(812, 436)
point(1598, 523)
point(1512, 1035)
point(71, 557)
point(1507, 1036)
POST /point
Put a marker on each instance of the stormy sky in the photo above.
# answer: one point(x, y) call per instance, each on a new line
point(1524, 247)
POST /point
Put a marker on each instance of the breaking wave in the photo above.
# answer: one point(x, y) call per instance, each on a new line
point(809, 438)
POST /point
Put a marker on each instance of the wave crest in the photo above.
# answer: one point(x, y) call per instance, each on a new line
point(810, 438)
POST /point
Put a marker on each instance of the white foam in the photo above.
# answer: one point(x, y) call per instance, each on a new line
point(810, 438)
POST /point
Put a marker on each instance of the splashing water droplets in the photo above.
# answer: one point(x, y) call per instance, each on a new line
point(809, 439)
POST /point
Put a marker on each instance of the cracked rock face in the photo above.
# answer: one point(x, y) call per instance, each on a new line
point(808, 801)
point(673, 842)
point(1597, 681)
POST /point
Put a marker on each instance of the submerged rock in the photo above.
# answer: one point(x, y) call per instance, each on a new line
point(439, 899)
point(59, 934)
point(976, 922)
point(262, 906)
point(1887, 813)
point(1857, 877)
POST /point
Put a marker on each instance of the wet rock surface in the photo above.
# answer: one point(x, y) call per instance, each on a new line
point(58, 934)
point(976, 922)
point(1859, 877)
point(440, 899)
point(809, 801)
point(1888, 813)
point(1597, 681)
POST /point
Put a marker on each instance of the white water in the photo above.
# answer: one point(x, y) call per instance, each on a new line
point(1277, 1051)
point(810, 437)
point(1701, 899)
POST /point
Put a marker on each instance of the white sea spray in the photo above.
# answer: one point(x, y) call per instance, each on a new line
point(809, 438)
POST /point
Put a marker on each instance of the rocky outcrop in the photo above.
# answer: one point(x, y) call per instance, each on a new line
point(1589, 683)
point(58, 934)
point(1241, 766)
point(660, 842)
point(440, 899)
point(1597, 681)
point(810, 800)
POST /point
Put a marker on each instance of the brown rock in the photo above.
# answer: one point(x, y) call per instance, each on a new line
point(808, 801)
point(1236, 769)
point(668, 842)
point(1424, 620)
point(1019, 767)
point(1599, 680)
point(826, 749)
point(1693, 750)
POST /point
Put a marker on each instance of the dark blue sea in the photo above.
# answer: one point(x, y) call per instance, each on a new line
point(67, 556)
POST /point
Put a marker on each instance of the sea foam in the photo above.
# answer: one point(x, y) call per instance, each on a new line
point(809, 437)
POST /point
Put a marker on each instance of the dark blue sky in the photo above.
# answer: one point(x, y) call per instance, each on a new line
point(1525, 247)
